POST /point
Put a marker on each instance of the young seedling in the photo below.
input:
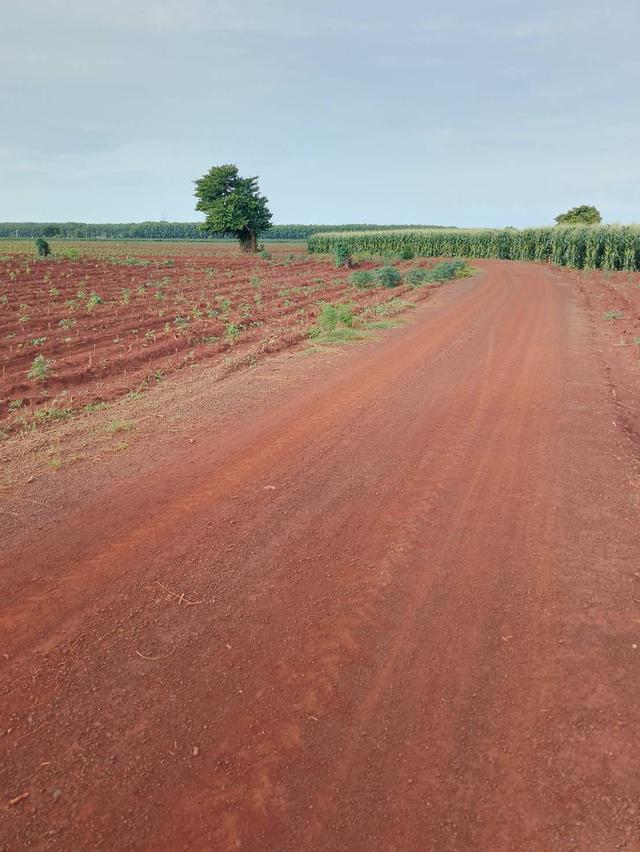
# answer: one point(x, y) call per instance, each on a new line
point(232, 330)
point(93, 301)
point(40, 368)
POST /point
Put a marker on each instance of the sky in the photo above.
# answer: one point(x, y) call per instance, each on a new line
point(467, 113)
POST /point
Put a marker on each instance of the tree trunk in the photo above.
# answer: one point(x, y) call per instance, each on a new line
point(248, 241)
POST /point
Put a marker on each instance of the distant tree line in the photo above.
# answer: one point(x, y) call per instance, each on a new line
point(165, 230)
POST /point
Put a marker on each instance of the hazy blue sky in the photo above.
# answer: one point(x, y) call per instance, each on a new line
point(467, 113)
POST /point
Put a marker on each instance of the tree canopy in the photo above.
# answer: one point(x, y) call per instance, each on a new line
point(233, 205)
point(583, 215)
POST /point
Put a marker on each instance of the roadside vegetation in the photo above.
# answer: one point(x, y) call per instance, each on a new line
point(416, 276)
point(346, 322)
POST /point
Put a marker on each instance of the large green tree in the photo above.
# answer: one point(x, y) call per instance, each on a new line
point(584, 215)
point(233, 205)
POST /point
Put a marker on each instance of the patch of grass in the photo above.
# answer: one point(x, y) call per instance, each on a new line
point(114, 427)
point(51, 414)
point(388, 309)
point(331, 316)
point(334, 325)
point(133, 261)
point(613, 315)
point(374, 325)
point(95, 406)
point(338, 336)
point(363, 278)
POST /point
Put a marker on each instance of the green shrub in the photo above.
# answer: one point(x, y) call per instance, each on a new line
point(342, 255)
point(417, 276)
point(42, 247)
point(362, 278)
point(448, 270)
point(388, 276)
point(407, 253)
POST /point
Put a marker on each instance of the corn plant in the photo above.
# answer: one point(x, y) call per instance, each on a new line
point(611, 247)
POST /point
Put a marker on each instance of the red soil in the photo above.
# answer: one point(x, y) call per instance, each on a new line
point(411, 602)
point(154, 318)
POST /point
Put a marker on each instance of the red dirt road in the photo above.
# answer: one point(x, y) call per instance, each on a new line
point(412, 608)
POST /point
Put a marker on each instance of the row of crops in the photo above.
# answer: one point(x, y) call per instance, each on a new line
point(585, 247)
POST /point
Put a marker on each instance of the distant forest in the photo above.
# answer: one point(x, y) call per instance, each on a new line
point(165, 230)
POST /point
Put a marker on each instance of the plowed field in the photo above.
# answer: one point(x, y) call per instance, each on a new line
point(102, 328)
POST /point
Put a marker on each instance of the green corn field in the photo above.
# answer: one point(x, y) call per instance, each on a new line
point(607, 247)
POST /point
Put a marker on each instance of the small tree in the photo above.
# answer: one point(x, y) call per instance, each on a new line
point(233, 205)
point(584, 215)
point(342, 255)
point(42, 247)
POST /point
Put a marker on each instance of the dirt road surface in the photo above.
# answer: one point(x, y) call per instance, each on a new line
point(389, 602)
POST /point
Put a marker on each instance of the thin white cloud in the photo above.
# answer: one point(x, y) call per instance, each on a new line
point(563, 22)
point(283, 17)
